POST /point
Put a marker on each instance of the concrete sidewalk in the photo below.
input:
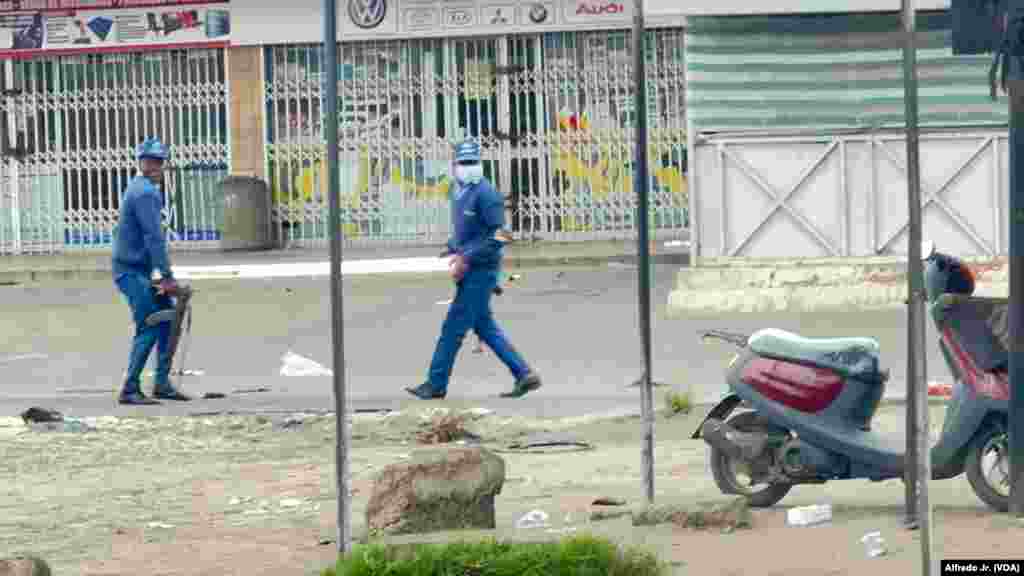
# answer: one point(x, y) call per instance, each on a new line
point(96, 265)
point(832, 284)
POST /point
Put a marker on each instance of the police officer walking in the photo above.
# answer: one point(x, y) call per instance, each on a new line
point(478, 215)
point(139, 249)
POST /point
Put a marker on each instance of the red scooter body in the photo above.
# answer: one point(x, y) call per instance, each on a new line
point(814, 401)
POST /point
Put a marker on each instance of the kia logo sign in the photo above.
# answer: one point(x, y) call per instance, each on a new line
point(598, 8)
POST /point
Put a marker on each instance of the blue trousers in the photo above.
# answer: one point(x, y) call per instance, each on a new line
point(143, 300)
point(471, 310)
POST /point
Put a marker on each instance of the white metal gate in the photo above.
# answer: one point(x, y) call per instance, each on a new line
point(552, 111)
point(73, 123)
point(846, 195)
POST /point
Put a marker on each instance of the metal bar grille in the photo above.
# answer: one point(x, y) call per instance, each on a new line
point(553, 113)
point(77, 119)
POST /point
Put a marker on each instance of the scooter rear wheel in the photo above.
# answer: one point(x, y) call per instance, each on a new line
point(723, 467)
point(987, 468)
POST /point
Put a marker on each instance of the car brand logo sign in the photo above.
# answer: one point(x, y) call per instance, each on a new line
point(367, 13)
point(538, 13)
point(599, 7)
point(459, 17)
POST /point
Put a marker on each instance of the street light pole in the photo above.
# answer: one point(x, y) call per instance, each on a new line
point(643, 244)
point(1015, 85)
point(330, 124)
point(918, 462)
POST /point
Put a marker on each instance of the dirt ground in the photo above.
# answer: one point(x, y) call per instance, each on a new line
point(255, 495)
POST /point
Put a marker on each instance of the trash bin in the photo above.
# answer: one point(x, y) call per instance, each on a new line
point(246, 214)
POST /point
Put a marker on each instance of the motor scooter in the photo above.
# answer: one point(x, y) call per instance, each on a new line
point(810, 402)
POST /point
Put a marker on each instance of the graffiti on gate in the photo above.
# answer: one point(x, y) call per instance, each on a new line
point(592, 170)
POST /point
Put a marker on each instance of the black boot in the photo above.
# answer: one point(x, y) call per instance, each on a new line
point(136, 399)
point(524, 386)
point(426, 392)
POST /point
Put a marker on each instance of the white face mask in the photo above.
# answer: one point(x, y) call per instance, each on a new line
point(469, 174)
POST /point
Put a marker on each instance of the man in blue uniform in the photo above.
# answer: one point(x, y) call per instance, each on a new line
point(478, 214)
point(139, 249)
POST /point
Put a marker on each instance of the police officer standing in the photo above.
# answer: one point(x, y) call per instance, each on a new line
point(478, 214)
point(139, 249)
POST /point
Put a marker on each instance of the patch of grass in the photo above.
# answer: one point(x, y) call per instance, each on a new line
point(575, 556)
point(678, 402)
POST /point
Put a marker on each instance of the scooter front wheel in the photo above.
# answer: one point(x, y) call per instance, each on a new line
point(727, 471)
point(988, 467)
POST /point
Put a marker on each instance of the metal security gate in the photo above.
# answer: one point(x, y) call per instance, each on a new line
point(844, 195)
point(73, 123)
point(553, 113)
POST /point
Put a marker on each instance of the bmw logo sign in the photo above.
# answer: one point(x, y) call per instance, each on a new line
point(367, 13)
point(538, 13)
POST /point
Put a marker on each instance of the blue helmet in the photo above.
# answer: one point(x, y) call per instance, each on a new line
point(152, 148)
point(467, 152)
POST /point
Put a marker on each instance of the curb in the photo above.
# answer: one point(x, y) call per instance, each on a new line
point(36, 276)
point(841, 285)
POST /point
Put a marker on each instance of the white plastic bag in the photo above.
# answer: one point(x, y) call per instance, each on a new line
point(294, 365)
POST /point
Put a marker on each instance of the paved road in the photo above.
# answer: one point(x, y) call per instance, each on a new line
point(65, 345)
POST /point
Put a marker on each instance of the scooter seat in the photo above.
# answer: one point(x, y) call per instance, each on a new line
point(855, 357)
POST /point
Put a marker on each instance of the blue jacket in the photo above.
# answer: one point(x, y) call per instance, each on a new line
point(478, 211)
point(139, 244)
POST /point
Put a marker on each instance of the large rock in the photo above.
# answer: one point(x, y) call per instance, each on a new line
point(24, 566)
point(447, 488)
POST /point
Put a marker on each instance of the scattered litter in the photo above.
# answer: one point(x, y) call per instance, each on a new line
point(251, 390)
point(654, 384)
point(325, 542)
point(43, 420)
point(940, 389)
point(39, 415)
point(187, 372)
point(297, 366)
point(874, 544)
point(478, 412)
point(809, 515)
point(444, 302)
point(550, 442)
point(160, 525)
point(444, 429)
point(609, 502)
point(21, 357)
point(214, 395)
point(515, 277)
point(292, 422)
point(291, 503)
point(532, 520)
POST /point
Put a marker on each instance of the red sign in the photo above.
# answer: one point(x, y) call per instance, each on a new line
point(599, 7)
point(7, 6)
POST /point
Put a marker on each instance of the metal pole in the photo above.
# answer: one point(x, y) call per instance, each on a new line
point(330, 124)
point(13, 162)
point(644, 284)
point(1015, 84)
point(918, 440)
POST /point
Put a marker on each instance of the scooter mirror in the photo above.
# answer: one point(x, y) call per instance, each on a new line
point(927, 249)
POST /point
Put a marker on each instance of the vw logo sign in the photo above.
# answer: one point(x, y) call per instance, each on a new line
point(367, 13)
